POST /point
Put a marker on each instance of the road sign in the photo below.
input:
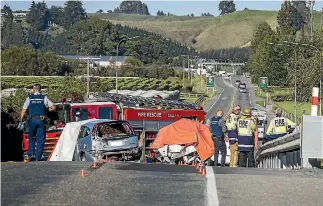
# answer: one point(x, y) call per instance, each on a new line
point(263, 82)
point(210, 82)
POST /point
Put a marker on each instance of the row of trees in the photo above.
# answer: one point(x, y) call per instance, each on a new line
point(161, 13)
point(137, 7)
point(132, 7)
point(40, 15)
point(228, 55)
point(89, 36)
point(281, 61)
point(26, 61)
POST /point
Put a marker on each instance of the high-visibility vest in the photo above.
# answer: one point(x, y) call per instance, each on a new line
point(245, 136)
point(231, 124)
point(280, 125)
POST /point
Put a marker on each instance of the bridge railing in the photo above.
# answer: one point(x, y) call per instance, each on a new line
point(283, 152)
point(302, 148)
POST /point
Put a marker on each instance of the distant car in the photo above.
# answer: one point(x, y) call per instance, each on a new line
point(253, 109)
point(238, 82)
point(242, 88)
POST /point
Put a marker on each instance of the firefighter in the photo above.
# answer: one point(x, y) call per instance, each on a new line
point(36, 105)
point(247, 139)
point(278, 127)
point(231, 124)
point(218, 129)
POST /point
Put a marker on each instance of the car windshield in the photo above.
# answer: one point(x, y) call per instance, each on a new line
point(242, 86)
point(114, 129)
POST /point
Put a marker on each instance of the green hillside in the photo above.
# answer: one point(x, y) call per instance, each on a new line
point(232, 30)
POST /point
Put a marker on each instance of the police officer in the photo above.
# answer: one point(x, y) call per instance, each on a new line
point(278, 127)
point(36, 105)
point(247, 139)
point(218, 129)
point(231, 124)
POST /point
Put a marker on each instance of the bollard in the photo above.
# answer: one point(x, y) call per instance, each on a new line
point(315, 101)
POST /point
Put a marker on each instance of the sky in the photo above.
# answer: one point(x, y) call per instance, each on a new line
point(175, 7)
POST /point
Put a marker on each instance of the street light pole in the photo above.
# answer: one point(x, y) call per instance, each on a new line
point(88, 79)
point(295, 87)
point(117, 54)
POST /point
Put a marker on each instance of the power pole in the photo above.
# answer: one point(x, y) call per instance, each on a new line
point(188, 66)
point(322, 20)
point(311, 19)
point(183, 70)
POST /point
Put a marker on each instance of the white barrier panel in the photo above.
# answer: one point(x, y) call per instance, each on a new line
point(315, 101)
point(311, 139)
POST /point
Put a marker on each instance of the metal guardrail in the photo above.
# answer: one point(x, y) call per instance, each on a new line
point(283, 152)
point(200, 97)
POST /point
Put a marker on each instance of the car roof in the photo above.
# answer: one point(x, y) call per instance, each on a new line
point(92, 122)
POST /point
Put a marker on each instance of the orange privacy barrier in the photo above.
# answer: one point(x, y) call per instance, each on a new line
point(188, 132)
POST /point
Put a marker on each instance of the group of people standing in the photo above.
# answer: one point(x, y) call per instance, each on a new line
point(242, 134)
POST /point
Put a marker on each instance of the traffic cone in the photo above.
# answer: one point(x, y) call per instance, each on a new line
point(83, 174)
point(94, 165)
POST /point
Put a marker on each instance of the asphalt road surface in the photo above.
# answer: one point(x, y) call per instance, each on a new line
point(243, 99)
point(60, 183)
point(223, 99)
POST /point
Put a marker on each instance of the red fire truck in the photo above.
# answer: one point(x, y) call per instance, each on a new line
point(66, 112)
point(145, 121)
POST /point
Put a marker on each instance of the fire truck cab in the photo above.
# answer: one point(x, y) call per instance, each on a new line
point(67, 111)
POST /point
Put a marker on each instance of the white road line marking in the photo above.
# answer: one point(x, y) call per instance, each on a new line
point(212, 193)
point(207, 112)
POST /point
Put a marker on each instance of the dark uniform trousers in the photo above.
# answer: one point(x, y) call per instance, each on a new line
point(246, 151)
point(246, 158)
point(219, 146)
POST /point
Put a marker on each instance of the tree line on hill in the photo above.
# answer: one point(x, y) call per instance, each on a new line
point(137, 7)
point(78, 34)
point(282, 62)
point(228, 55)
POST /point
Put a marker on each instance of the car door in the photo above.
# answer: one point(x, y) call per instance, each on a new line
point(84, 142)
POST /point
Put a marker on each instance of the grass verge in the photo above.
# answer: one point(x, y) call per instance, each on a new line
point(300, 107)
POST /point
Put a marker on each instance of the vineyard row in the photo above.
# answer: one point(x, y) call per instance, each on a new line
point(107, 84)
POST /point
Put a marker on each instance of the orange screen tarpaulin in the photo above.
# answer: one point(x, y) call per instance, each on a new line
point(186, 131)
